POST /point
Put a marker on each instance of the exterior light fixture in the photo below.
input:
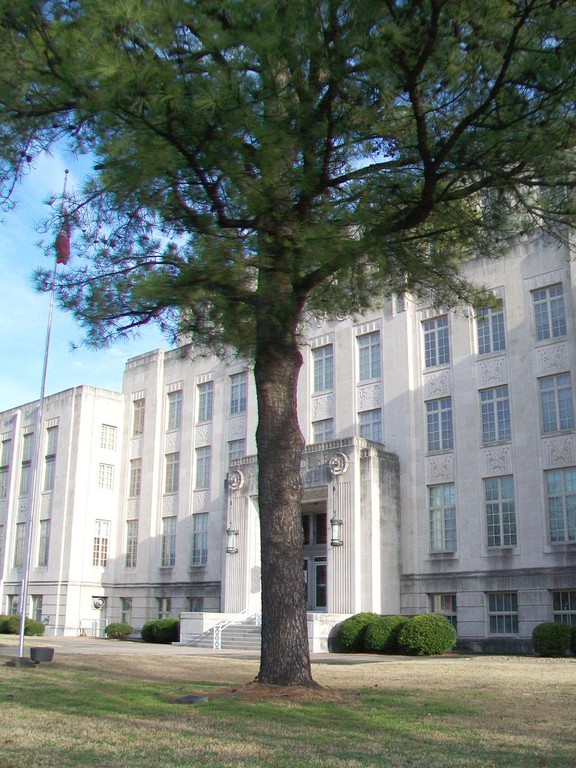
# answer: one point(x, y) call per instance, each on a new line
point(231, 541)
point(336, 532)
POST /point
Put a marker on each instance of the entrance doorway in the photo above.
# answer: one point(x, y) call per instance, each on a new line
point(315, 525)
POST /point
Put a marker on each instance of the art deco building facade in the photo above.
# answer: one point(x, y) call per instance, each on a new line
point(442, 443)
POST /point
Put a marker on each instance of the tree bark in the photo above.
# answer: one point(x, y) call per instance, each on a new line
point(285, 656)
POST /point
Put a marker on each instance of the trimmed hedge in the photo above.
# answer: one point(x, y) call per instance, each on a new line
point(573, 640)
point(161, 631)
point(551, 638)
point(382, 635)
point(10, 625)
point(350, 634)
point(118, 630)
point(427, 634)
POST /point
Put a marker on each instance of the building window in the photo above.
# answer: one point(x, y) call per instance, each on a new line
point(200, 539)
point(36, 607)
point(196, 604)
point(369, 356)
point(19, 545)
point(131, 544)
point(238, 383)
point(561, 492)
point(50, 459)
point(442, 511)
point(138, 409)
point(323, 359)
point(105, 476)
point(26, 468)
point(236, 449)
point(44, 543)
point(203, 466)
point(135, 478)
point(2, 539)
point(168, 558)
point(101, 542)
point(175, 409)
point(439, 424)
point(549, 315)
point(490, 329)
point(13, 604)
point(495, 409)
point(108, 437)
point(564, 608)
point(164, 607)
point(5, 448)
point(556, 402)
point(436, 342)
point(206, 400)
point(500, 511)
point(126, 610)
point(370, 423)
point(172, 483)
point(446, 605)
point(503, 613)
point(322, 431)
point(315, 528)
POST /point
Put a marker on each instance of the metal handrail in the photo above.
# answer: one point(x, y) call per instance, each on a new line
point(222, 625)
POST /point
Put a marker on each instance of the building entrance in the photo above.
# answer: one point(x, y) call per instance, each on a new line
point(315, 525)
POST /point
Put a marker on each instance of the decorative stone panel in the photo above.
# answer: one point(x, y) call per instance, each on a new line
point(200, 500)
point(236, 428)
point(136, 448)
point(497, 460)
point(492, 372)
point(170, 505)
point(322, 407)
point(436, 385)
point(552, 358)
point(559, 451)
point(440, 469)
point(46, 505)
point(369, 397)
point(132, 508)
point(172, 442)
point(204, 435)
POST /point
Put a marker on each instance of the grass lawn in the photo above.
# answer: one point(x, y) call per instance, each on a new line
point(121, 711)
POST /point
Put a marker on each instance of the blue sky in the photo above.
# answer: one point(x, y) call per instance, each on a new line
point(24, 313)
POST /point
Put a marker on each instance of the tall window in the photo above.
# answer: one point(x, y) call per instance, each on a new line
point(172, 483)
point(200, 539)
point(44, 543)
point(175, 409)
point(439, 424)
point(131, 544)
point(5, 449)
point(50, 458)
point(203, 466)
point(126, 610)
point(564, 607)
point(371, 425)
point(315, 528)
point(549, 315)
point(206, 400)
point(436, 341)
point(446, 605)
point(105, 476)
point(236, 449)
point(135, 478)
point(323, 359)
point(168, 542)
point(503, 613)
point(369, 356)
point(561, 492)
point(37, 601)
point(490, 329)
point(101, 543)
point(556, 402)
point(26, 468)
point(500, 511)
point(164, 607)
point(495, 408)
point(195, 604)
point(442, 511)
point(138, 409)
point(238, 383)
point(108, 437)
point(323, 430)
point(19, 544)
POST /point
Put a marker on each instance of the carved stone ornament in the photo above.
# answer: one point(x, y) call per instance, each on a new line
point(338, 464)
point(235, 480)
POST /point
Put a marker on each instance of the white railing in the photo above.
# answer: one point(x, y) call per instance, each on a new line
point(240, 618)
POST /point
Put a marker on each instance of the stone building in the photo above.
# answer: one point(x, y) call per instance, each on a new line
point(440, 474)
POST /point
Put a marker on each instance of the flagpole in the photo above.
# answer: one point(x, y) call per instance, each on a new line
point(36, 477)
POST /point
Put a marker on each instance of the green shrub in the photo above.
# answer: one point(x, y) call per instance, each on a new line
point(4, 624)
point(573, 640)
point(118, 630)
point(427, 634)
point(551, 639)
point(11, 626)
point(161, 631)
point(350, 634)
point(382, 635)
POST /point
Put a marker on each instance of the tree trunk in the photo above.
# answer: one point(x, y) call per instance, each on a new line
point(285, 657)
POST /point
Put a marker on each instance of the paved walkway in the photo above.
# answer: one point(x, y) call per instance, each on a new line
point(97, 646)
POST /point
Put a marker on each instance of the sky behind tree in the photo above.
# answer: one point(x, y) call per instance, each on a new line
point(24, 315)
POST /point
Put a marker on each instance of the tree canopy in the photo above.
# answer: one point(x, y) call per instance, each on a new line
point(258, 159)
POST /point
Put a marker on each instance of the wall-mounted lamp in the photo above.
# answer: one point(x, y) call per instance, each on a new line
point(231, 541)
point(336, 532)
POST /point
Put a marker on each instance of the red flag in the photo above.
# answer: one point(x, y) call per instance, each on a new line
point(62, 243)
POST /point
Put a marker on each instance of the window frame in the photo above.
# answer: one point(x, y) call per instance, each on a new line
point(549, 312)
point(206, 401)
point(238, 393)
point(369, 356)
point(199, 552)
point(323, 368)
point(439, 425)
point(203, 468)
point(503, 619)
point(370, 425)
point(171, 473)
point(174, 402)
point(561, 516)
point(495, 417)
point(442, 518)
point(436, 341)
point(168, 541)
point(491, 329)
point(500, 512)
point(556, 403)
